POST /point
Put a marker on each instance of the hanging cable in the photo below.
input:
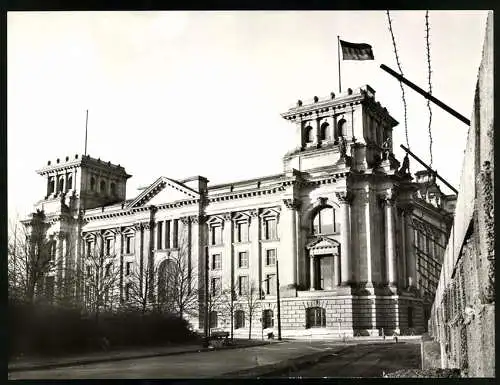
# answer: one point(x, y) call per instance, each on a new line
point(401, 73)
point(429, 71)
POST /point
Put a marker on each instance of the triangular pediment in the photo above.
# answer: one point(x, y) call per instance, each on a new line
point(322, 243)
point(164, 190)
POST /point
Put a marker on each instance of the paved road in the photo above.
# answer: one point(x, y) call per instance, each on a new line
point(364, 360)
point(192, 365)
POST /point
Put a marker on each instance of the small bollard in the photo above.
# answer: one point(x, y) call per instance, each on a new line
point(383, 334)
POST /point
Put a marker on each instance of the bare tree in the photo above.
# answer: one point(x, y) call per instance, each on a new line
point(31, 258)
point(99, 275)
point(140, 285)
point(251, 300)
point(230, 304)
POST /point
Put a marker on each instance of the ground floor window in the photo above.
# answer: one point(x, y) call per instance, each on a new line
point(239, 319)
point(315, 317)
point(267, 319)
point(213, 319)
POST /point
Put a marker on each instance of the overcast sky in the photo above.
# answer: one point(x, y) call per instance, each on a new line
point(178, 94)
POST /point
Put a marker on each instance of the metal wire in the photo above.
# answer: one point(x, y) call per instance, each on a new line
point(400, 83)
point(429, 71)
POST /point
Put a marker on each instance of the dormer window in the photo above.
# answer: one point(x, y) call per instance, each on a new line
point(308, 134)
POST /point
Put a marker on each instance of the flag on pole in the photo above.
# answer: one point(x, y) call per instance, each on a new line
point(355, 51)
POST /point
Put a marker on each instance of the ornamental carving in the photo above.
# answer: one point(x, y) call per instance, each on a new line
point(344, 197)
point(185, 220)
point(195, 219)
point(227, 216)
point(388, 197)
point(293, 204)
point(138, 226)
point(254, 213)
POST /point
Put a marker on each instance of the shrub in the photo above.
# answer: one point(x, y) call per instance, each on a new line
point(51, 330)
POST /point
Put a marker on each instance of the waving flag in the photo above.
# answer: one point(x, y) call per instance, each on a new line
point(355, 51)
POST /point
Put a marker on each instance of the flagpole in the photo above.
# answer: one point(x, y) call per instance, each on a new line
point(86, 122)
point(338, 48)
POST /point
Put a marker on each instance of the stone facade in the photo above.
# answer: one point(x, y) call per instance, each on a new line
point(354, 235)
point(463, 313)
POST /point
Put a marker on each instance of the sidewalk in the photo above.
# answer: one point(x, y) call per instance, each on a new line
point(38, 363)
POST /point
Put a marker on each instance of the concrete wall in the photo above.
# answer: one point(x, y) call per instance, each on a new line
point(462, 317)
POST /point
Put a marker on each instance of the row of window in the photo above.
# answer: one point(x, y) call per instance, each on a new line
point(315, 317)
point(243, 285)
point(102, 186)
point(270, 231)
point(324, 131)
point(243, 259)
point(61, 185)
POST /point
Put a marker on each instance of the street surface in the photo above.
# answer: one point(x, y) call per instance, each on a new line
point(216, 363)
point(364, 360)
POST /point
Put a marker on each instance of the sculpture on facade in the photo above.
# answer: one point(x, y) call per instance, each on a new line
point(405, 168)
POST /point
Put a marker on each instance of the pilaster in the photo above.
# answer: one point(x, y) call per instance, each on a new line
point(346, 275)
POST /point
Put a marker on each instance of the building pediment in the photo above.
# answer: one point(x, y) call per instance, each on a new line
point(163, 190)
point(323, 245)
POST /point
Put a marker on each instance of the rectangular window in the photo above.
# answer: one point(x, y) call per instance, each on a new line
point(159, 238)
point(167, 234)
point(215, 285)
point(128, 288)
point(109, 266)
point(128, 268)
point(89, 271)
point(242, 232)
point(108, 246)
point(243, 259)
point(243, 285)
point(216, 261)
point(216, 232)
point(271, 284)
point(270, 228)
point(270, 257)
point(267, 319)
point(175, 241)
point(90, 247)
point(129, 244)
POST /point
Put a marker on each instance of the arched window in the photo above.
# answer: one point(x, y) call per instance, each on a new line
point(267, 319)
point(167, 284)
point(308, 134)
point(213, 319)
point(325, 131)
point(61, 184)
point(70, 183)
point(92, 184)
point(315, 317)
point(52, 185)
point(342, 128)
point(324, 221)
point(113, 189)
point(102, 186)
point(239, 319)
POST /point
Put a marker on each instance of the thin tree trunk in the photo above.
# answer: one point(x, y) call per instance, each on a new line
point(250, 327)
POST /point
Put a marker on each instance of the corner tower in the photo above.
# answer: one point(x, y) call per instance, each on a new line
point(82, 183)
point(352, 127)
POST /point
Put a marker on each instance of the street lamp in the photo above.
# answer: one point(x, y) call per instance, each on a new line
point(278, 302)
point(205, 323)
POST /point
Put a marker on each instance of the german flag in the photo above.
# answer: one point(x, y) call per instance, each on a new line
point(355, 51)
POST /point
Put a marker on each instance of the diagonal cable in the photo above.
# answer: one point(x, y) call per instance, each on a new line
point(401, 73)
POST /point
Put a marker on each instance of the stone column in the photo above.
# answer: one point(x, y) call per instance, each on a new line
point(390, 252)
point(138, 246)
point(227, 279)
point(186, 243)
point(409, 248)
point(336, 275)
point(119, 250)
point(345, 199)
point(312, 272)
point(289, 240)
point(255, 259)
point(368, 232)
point(59, 260)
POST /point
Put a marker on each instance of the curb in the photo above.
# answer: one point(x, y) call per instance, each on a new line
point(280, 367)
point(123, 358)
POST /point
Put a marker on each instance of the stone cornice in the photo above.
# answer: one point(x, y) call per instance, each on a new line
point(246, 194)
